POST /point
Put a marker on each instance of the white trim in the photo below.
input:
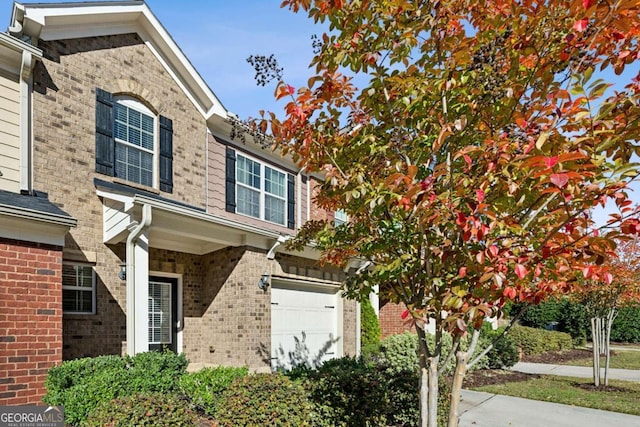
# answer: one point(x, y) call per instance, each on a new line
point(262, 190)
point(29, 214)
point(57, 21)
point(180, 319)
point(81, 288)
point(32, 231)
point(137, 106)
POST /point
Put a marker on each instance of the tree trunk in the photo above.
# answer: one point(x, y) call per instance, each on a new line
point(610, 317)
point(596, 351)
point(428, 382)
point(456, 387)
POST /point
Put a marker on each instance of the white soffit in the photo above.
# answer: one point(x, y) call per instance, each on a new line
point(59, 21)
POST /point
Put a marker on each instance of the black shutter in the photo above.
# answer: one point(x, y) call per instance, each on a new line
point(166, 154)
point(230, 180)
point(291, 202)
point(105, 145)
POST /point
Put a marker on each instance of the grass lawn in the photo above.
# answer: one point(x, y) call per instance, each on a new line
point(621, 360)
point(622, 396)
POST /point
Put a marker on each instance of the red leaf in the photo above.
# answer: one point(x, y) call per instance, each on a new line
point(480, 195)
point(405, 314)
point(580, 25)
point(521, 271)
point(559, 179)
point(587, 3)
point(468, 160)
point(509, 292)
point(608, 278)
point(493, 250)
point(462, 272)
point(551, 161)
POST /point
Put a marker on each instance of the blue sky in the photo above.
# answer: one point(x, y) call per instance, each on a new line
point(217, 36)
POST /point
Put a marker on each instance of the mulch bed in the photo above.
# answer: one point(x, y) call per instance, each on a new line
point(484, 377)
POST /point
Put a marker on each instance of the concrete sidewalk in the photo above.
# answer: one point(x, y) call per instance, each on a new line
point(491, 410)
point(575, 371)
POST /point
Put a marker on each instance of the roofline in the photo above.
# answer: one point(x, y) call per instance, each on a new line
point(23, 213)
point(38, 20)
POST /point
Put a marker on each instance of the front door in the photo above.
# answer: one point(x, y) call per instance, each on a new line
point(163, 313)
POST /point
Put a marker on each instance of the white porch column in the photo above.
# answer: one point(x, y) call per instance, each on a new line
point(375, 300)
point(141, 271)
point(137, 254)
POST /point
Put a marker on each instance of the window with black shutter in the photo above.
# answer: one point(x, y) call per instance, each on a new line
point(259, 190)
point(127, 144)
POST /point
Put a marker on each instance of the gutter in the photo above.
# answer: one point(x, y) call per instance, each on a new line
point(135, 231)
point(144, 200)
point(38, 216)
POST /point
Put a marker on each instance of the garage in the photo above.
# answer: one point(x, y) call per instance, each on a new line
point(304, 323)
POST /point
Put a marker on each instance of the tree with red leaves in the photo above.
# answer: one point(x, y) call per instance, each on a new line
point(470, 159)
point(616, 285)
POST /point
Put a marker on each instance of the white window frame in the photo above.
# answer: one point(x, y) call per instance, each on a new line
point(340, 217)
point(136, 105)
point(262, 191)
point(81, 288)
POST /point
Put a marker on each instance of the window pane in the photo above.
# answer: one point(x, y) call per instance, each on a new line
point(159, 313)
point(274, 209)
point(137, 129)
point(248, 172)
point(77, 288)
point(248, 202)
point(274, 182)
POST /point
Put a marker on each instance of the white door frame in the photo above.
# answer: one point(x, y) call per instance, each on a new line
point(180, 318)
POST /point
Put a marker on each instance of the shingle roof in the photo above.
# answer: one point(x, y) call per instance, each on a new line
point(31, 205)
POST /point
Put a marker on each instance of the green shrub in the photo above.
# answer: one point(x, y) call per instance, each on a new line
point(370, 327)
point(348, 392)
point(626, 326)
point(156, 371)
point(204, 388)
point(540, 316)
point(399, 352)
point(573, 319)
point(265, 400)
point(155, 410)
point(80, 385)
point(504, 353)
point(535, 341)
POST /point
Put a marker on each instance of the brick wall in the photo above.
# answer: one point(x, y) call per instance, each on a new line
point(30, 319)
point(64, 160)
point(390, 320)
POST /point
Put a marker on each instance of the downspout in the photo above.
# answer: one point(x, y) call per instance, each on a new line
point(26, 148)
point(134, 233)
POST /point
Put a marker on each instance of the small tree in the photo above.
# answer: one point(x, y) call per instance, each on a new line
point(369, 326)
point(602, 302)
point(469, 159)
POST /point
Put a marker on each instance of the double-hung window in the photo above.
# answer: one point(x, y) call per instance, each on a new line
point(339, 217)
point(261, 191)
point(132, 142)
point(134, 127)
point(78, 289)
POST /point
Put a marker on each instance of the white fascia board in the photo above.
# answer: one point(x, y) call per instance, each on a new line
point(29, 230)
point(56, 21)
point(12, 51)
point(28, 214)
point(159, 204)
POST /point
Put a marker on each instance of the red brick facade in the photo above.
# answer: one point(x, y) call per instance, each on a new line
point(30, 318)
point(391, 321)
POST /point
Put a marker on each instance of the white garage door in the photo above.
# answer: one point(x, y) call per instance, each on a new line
point(304, 325)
